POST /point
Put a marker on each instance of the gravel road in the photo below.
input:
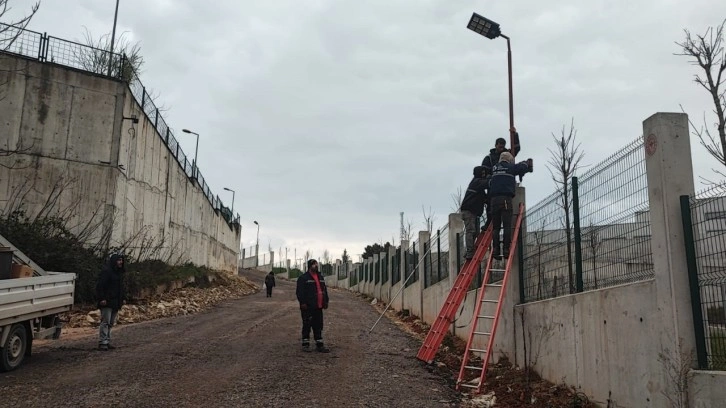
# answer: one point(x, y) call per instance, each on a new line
point(241, 353)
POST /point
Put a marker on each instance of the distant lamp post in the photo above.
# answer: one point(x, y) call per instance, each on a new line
point(257, 246)
point(196, 150)
point(491, 30)
point(229, 189)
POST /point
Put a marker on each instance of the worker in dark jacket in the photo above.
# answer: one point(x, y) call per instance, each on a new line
point(313, 298)
point(489, 161)
point(501, 191)
point(111, 296)
point(472, 207)
point(269, 283)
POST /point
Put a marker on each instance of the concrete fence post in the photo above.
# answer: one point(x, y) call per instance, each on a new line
point(423, 239)
point(670, 175)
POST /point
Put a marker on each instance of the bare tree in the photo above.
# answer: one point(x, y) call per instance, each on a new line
point(564, 162)
point(594, 242)
point(10, 32)
point(326, 257)
point(408, 230)
point(429, 219)
point(457, 197)
point(707, 52)
point(97, 56)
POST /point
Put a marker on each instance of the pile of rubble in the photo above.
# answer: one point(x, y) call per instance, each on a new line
point(175, 303)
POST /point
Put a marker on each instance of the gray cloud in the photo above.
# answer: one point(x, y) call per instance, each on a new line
point(331, 117)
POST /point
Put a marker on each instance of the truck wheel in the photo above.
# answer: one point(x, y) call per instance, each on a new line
point(13, 351)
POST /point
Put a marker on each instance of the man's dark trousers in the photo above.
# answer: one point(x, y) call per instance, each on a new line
point(502, 213)
point(312, 319)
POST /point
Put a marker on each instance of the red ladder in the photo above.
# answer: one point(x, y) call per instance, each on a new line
point(453, 301)
point(491, 314)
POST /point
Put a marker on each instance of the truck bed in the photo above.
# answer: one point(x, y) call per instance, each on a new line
point(27, 298)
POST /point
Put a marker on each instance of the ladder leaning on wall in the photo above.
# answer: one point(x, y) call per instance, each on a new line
point(486, 315)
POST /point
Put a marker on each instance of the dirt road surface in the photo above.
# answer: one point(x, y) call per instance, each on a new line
point(241, 353)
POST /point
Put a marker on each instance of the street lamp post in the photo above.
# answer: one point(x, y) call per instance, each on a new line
point(257, 246)
point(489, 29)
point(196, 150)
point(113, 39)
point(229, 189)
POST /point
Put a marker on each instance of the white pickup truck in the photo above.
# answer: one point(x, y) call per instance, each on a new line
point(29, 309)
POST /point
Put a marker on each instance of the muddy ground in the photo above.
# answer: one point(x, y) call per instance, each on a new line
point(240, 353)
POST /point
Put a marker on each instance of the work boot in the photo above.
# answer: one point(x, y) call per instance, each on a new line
point(103, 347)
point(320, 347)
point(111, 346)
point(506, 253)
point(496, 254)
point(468, 257)
point(306, 346)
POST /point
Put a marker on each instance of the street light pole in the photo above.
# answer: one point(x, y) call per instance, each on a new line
point(257, 246)
point(196, 150)
point(229, 189)
point(491, 30)
point(511, 96)
point(113, 39)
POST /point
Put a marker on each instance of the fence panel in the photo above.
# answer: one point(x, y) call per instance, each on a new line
point(614, 230)
point(708, 217)
point(411, 264)
point(20, 42)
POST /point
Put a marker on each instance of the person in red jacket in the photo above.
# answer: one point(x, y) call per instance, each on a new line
point(312, 294)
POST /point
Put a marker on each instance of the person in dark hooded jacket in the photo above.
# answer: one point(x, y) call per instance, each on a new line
point(269, 283)
point(111, 296)
point(472, 207)
point(502, 188)
point(312, 294)
point(491, 160)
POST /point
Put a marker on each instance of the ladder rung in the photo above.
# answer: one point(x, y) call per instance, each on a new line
point(496, 285)
point(498, 270)
point(485, 317)
point(473, 368)
point(482, 334)
point(478, 350)
point(490, 301)
point(469, 386)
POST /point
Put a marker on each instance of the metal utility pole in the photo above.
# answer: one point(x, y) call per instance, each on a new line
point(113, 39)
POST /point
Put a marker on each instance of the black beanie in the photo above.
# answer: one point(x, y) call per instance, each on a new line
point(311, 262)
point(479, 171)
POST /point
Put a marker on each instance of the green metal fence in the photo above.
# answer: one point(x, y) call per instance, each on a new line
point(436, 257)
point(593, 234)
point(411, 264)
point(704, 222)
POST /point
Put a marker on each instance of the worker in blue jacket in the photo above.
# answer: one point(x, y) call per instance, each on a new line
point(502, 187)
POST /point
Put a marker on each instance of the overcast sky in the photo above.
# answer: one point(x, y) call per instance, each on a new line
point(329, 117)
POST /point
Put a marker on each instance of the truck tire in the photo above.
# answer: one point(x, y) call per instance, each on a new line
point(12, 352)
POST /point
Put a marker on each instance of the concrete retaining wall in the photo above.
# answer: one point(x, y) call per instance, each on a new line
point(105, 171)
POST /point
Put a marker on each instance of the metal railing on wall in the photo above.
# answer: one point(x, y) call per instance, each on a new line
point(607, 239)
point(704, 226)
point(436, 260)
point(48, 49)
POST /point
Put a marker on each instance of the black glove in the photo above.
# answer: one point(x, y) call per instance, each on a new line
point(530, 164)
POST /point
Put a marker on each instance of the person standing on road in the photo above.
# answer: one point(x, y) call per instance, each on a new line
point(472, 207)
point(269, 283)
point(502, 188)
point(313, 297)
point(111, 296)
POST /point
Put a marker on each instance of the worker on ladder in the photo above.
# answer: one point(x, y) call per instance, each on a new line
point(472, 207)
point(491, 160)
point(502, 187)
